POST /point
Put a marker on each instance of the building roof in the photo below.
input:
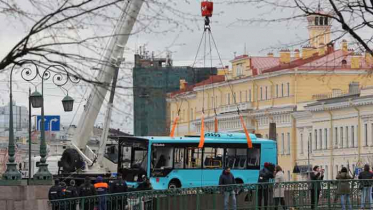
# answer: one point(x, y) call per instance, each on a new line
point(331, 60)
point(211, 80)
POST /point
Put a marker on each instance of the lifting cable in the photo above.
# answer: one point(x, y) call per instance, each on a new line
point(207, 9)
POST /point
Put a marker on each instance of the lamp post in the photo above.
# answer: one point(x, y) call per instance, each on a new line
point(37, 101)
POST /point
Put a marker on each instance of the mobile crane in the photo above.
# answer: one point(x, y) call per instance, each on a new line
point(77, 157)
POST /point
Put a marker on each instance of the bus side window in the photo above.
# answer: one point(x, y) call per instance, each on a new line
point(253, 158)
point(179, 157)
point(193, 157)
point(212, 158)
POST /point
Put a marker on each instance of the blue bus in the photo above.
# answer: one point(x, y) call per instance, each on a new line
point(179, 163)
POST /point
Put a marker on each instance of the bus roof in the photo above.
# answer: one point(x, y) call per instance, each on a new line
point(239, 138)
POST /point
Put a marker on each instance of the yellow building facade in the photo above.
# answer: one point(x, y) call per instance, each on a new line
point(269, 89)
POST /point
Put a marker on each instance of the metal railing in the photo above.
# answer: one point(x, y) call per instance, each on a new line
point(297, 195)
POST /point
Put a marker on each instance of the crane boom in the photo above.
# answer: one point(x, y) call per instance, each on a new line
point(113, 54)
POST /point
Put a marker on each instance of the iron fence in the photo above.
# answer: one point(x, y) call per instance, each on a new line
point(297, 195)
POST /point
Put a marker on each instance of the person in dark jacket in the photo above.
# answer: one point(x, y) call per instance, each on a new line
point(265, 175)
point(71, 192)
point(87, 189)
point(315, 176)
point(55, 193)
point(102, 189)
point(119, 186)
point(145, 184)
point(366, 186)
point(344, 188)
point(227, 178)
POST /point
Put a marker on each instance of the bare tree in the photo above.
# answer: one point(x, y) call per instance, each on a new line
point(350, 18)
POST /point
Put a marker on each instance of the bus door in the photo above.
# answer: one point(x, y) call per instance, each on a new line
point(191, 175)
point(212, 165)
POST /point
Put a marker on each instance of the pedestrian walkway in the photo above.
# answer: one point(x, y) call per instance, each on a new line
point(297, 196)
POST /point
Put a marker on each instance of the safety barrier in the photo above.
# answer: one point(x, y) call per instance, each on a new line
point(297, 195)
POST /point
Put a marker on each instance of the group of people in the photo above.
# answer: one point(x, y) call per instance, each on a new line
point(100, 188)
point(269, 171)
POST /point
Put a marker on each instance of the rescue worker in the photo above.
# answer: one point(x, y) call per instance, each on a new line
point(119, 186)
point(55, 194)
point(71, 193)
point(102, 189)
point(63, 204)
point(87, 189)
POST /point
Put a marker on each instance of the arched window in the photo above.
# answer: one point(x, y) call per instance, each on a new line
point(316, 20)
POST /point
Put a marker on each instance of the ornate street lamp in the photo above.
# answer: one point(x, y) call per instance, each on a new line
point(37, 101)
point(68, 103)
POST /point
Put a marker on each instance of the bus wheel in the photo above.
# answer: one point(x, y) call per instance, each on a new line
point(174, 184)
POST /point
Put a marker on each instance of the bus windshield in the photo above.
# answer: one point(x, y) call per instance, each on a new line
point(133, 161)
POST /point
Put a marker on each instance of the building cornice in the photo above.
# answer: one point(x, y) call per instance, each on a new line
point(340, 105)
point(272, 111)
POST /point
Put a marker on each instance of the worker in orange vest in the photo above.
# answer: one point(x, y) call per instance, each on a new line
point(102, 188)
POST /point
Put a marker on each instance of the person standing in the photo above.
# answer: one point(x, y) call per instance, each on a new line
point(102, 189)
point(316, 176)
point(366, 187)
point(72, 193)
point(279, 191)
point(344, 189)
point(227, 178)
point(119, 186)
point(264, 176)
point(55, 193)
point(87, 189)
point(145, 184)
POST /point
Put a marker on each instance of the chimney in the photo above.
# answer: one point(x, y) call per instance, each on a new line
point(285, 56)
point(270, 55)
point(307, 52)
point(336, 92)
point(296, 54)
point(368, 58)
point(353, 88)
point(355, 61)
point(183, 84)
point(330, 48)
point(344, 47)
point(321, 49)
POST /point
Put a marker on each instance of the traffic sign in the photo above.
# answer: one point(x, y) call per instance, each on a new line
point(51, 122)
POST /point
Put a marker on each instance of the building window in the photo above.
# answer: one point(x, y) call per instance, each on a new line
point(239, 69)
point(326, 138)
point(289, 144)
point(228, 99)
point(366, 134)
point(310, 142)
point(266, 93)
point(336, 137)
point(191, 114)
point(301, 143)
point(316, 139)
point(246, 95)
point(283, 143)
point(288, 89)
point(320, 135)
point(341, 131)
point(240, 97)
point(282, 90)
point(289, 176)
point(276, 90)
point(371, 137)
point(353, 136)
point(183, 117)
point(326, 172)
point(261, 93)
point(250, 95)
point(347, 138)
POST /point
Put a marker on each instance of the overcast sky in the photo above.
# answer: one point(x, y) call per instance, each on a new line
point(230, 35)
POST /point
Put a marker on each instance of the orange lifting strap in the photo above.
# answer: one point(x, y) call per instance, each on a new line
point(202, 137)
point(249, 142)
point(172, 135)
point(206, 8)
point(216, 124)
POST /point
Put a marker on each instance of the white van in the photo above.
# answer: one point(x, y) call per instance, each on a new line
point(52, 162)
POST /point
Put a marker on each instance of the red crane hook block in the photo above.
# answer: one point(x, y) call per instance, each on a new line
point(207, 7)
